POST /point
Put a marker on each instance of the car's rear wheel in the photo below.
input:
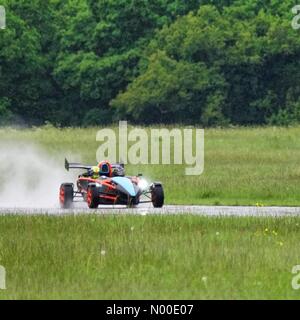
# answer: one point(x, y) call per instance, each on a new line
point(157, 196)
point(93, 197)
point(66, 195)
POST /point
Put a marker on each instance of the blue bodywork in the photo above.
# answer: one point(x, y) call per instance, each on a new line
point(126, 184)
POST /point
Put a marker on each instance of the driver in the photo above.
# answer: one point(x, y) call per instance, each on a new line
point(105, 169)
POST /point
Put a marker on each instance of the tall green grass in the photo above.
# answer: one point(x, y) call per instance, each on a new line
point(243, 166)
point(151, 257)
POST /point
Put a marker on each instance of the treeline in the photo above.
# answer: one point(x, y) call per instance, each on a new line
point(206, 62)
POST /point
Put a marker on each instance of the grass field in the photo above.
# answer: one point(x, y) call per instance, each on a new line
point(245, 166)
point(153, 257)
point(163, 257)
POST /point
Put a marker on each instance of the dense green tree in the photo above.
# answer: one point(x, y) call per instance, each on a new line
point(101, 47)
point(209, 62)
point(171, 91)
point(26, 85)
point(251, 48)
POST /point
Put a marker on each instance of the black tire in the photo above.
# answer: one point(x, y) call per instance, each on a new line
point(134, 202)
point(93, 197)
point(66, 195)
point(157, 196)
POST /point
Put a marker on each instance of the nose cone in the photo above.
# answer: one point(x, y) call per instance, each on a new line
point(126, 184)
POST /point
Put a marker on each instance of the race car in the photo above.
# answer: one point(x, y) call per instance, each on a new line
point(109, 186)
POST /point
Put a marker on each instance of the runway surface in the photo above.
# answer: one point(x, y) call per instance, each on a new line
point(147, 209)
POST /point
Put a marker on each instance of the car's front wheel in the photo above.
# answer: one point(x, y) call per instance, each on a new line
point(133, 202)
point(157, 195)
point(93, 197)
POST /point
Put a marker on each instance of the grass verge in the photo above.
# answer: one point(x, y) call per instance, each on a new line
point(245, 166)
point(149, 257)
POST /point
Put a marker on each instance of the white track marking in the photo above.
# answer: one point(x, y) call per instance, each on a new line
point(147, 209)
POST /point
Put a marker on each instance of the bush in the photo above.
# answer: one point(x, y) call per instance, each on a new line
point(97, 117)
point(5, 114)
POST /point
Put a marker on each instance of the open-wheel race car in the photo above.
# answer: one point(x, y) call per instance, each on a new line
point(107, 184)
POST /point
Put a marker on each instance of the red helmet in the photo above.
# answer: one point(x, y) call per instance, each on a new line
point(105, 169)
